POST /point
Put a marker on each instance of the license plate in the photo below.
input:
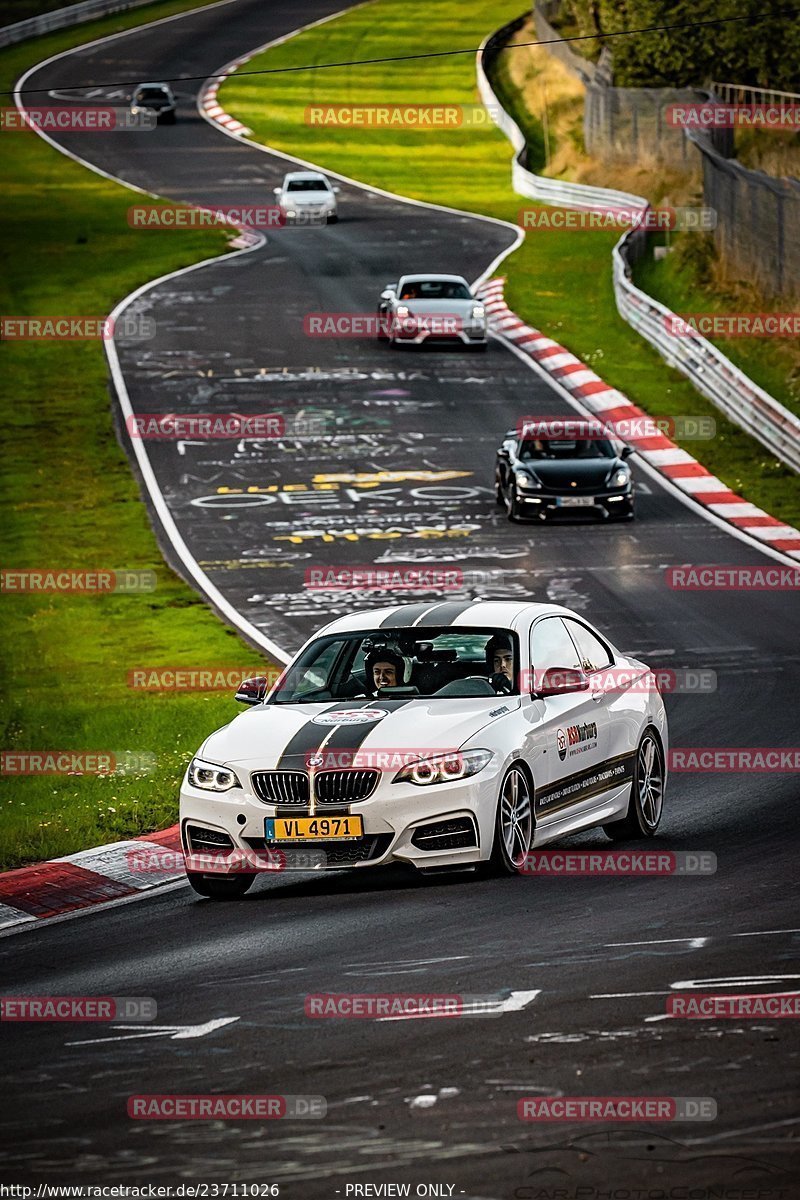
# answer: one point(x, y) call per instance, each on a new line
point(575, 501)
point(313, 829)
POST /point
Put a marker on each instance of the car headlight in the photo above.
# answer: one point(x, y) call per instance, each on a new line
point(290, 212)
point(210, 777)
point(527, 481)
point(478, 312)
point(620, 478)
point(402, 311)
point(444, 768)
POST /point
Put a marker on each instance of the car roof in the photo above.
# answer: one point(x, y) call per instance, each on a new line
point(491, 614)
point(304, 175)
point(433, 275)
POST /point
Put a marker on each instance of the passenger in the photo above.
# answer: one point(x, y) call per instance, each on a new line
point(386, 668)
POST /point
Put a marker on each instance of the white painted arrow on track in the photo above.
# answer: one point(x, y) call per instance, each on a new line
point(512, 1003)
point(175, 1032)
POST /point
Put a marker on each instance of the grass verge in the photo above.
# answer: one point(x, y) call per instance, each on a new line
point(693, 277)
point(559, 281)
point(71, 502)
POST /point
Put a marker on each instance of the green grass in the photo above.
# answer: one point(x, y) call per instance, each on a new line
point(70, 500)
point(682, 281)
point(559, 282)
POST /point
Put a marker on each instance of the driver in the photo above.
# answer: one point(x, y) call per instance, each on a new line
point(500, 662)
point(386, 668)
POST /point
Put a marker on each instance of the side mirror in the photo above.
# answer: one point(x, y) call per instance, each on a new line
point(336, 189)
point(387, 294)
point(626, 451)
point(252, 691)
point(558, 681)
point(277, 191)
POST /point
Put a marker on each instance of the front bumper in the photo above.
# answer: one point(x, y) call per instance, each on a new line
point(436, 826)
point(606, 505)
point(308, 215)
point(470, 335)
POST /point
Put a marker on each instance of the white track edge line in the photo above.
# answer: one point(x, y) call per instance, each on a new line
point(190, 564)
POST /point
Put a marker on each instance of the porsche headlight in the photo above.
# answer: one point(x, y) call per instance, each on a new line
point(402, 311)
point(290, 212)
point(444, 768)
point(620, 478)
point(527, 481)
point(478, 312)
point(210, 777)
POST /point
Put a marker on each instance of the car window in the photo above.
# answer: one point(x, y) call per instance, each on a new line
point(152, 93)
point(435, 658)
point(551, 448)
point(435, 289)
point(316, 671)
point(593, 654)
point(307, 185)
point(551, 646)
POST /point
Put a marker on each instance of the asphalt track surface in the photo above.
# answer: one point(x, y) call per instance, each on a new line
point(600, 954)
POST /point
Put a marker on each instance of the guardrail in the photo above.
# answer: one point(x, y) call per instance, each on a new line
point(714, 375)
point(62, 18)
point(741, 93)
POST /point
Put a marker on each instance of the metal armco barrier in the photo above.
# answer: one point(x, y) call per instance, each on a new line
point(62, 18)
point(714, 375)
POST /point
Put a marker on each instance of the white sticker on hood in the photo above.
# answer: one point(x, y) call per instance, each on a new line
point(350, 716)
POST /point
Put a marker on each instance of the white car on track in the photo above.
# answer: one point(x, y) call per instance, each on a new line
point(444, 735)
point(421, 308)
point(307, 198)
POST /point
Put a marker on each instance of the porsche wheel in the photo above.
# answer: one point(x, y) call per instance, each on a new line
point(512, 505)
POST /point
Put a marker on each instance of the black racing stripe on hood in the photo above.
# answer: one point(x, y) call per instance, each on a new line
point(310, 736)
point(352, 737)
point(446, 612)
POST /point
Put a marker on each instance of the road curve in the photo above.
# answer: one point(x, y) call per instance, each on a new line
point(600, 954)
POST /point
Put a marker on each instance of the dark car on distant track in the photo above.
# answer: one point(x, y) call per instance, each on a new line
point(157, 98)
point(571, 470)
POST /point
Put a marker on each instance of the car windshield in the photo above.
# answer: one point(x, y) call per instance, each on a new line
point(381, 663)
point(307, 185)
point(152, 93)
point(568, 448)
point(435, 289)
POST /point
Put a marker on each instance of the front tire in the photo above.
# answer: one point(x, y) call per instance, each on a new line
point(513, 827)
point(646, 802)
point(512, 506)
point(229, 887)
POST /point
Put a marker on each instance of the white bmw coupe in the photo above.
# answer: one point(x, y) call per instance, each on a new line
point(444, 736)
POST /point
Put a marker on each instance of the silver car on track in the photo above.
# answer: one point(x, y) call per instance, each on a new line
point(421, 308)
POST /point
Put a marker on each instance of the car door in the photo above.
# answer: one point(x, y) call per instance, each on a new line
point(623, 703)
point(568, 740)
